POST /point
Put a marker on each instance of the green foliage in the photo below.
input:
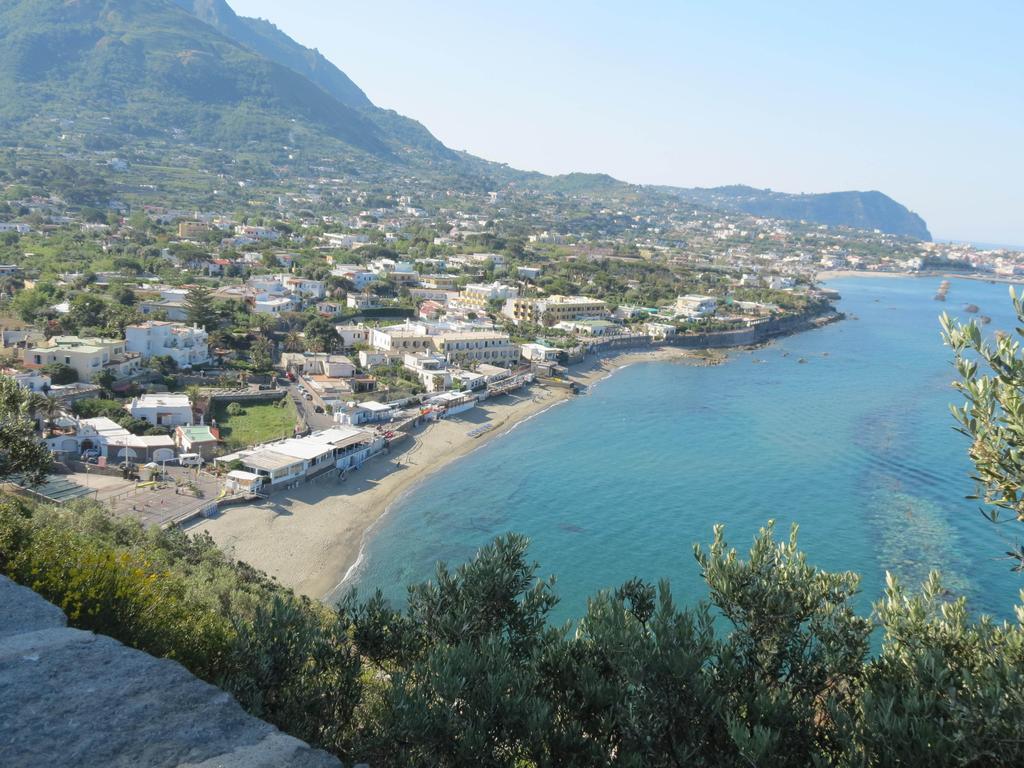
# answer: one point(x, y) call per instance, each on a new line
point(60, 373)
point(321, 335)
point(286, 659)
point(259, 423)
point(992, 414)
point(260, 353)
point(22, 455)
point(199, 309)
point(771, 670)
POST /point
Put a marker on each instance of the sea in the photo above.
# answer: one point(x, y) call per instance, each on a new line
point(844, 431)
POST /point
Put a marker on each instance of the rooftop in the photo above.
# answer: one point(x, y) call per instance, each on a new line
point(167, 400)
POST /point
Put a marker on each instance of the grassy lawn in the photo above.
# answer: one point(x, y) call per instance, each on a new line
point(259, 423)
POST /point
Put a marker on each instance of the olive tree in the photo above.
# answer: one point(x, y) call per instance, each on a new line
point(991, 380)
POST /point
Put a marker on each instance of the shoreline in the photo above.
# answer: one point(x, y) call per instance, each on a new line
point(312, 538)
point(838, 274)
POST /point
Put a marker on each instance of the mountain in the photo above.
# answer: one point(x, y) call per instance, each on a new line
point(146, 67)
point(110, 74)
point(264, 38)
point(863, 210)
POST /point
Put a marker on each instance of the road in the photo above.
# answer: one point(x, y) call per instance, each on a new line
point(306, 409)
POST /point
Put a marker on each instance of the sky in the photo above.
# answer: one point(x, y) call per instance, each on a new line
point(921, 100)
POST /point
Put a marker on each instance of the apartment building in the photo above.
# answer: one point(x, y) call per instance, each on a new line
point(187, 345)
point(87, 356)
point(552, 310)
point(478, 296)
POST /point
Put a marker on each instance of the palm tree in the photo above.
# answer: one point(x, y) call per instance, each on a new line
point(294, 342)
point(45, 409)
point(195, 395)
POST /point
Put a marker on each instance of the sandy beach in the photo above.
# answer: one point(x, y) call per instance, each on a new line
point(311, 537)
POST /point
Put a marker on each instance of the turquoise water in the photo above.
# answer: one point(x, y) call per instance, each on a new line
point(856, 445)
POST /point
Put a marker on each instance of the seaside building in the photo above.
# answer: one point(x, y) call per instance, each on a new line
point(484, 346)
point(694, 306)
point(367, 412)
point(660, 331)
point(295, 459)
point(536, 352)
point(431, 369)
point(590, 327)
point(477, 297)
point(552, 310)
point(114, 443)
point(450, 340)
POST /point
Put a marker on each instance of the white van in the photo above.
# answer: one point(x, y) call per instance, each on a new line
point(190, 460)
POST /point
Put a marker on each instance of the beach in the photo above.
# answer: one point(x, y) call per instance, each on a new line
point(310, 538)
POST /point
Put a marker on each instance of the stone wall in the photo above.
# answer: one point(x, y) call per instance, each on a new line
point(74, 698)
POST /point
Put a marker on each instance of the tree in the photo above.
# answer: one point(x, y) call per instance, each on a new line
point(22, 455)
point(47, 408)
point(992, 415)
point(30, 304)
point(105, 379)
point(322, 330)
point(60, 373)
point(293, 342)
point(87, 311)
point(260, 352)
point(165, 365)
point(199, 309)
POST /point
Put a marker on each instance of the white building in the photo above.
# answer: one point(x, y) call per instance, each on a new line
point(362, 301)
point(265, 304)
point(431, 369)
point(188, 346)
point(352, 335)
point(360, 278)
point(693, 305)
point(319, 364)
point(33, 381)
point(165, 410)
point(366, 412)
point(344, 240)
point(540, 353)
point(289, 461)
point(257, 233)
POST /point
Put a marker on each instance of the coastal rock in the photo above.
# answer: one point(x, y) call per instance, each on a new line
point(69, 697)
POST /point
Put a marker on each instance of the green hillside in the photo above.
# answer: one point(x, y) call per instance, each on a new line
point(191, 93)
point(147, 68)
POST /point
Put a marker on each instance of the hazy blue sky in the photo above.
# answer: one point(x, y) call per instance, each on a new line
point(921, 100)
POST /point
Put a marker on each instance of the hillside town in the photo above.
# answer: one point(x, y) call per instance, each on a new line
point(207, 357)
